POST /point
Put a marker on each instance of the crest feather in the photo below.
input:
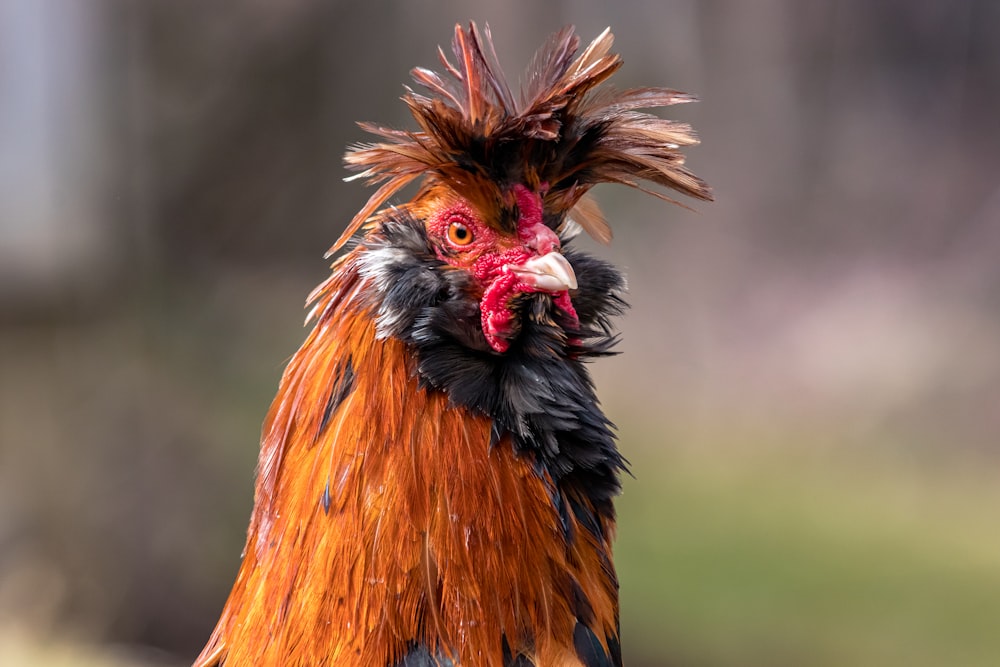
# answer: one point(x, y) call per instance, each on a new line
point(561, 137)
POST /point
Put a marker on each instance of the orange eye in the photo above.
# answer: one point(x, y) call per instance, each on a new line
point(459, 234)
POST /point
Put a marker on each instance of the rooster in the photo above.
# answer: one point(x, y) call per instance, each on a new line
point(436, 478)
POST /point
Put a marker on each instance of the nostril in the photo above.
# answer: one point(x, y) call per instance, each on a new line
point(539, 238)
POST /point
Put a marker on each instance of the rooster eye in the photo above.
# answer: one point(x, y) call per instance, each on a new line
point(459, 234)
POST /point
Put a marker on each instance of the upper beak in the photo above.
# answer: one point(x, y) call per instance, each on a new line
point(550, 272)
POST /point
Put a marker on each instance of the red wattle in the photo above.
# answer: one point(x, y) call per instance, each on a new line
point(491, 268)
point(495, 308)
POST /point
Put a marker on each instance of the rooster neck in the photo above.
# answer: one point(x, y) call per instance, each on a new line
point(392, 521)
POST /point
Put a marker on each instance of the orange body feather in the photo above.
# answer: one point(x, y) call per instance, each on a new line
point(357, 578)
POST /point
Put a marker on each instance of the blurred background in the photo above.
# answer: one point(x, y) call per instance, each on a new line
point(810, 387)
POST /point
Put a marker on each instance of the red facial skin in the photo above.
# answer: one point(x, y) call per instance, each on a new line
point(489, 254)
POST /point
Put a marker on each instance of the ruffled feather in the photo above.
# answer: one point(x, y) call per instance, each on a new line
point(563, 135)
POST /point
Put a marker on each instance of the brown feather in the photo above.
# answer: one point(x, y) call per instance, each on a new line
point(565, 132)
point(411, 548)
point(588, 215)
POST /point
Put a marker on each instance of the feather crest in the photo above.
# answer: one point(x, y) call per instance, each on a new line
point(564, 132)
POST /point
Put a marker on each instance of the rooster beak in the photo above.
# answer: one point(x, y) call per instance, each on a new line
point(550, 272)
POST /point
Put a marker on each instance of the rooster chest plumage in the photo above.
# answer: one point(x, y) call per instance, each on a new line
point(424, 524)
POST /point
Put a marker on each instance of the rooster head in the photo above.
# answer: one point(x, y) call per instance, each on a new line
point(505, 179)
point(502, 264)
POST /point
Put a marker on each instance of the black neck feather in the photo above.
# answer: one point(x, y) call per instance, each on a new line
point(539, 391)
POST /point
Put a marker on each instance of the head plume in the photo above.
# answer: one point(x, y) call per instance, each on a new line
point(560, 137)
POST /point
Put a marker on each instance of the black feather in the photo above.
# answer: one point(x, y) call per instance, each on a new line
point(510, 660)
point(589, 649)
point(325, 500)
point(559, 502)
point(539, 391)
point(420, 656)
point(587, 519)
point(343, 383)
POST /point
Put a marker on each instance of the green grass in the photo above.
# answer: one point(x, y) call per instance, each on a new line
point(750, 557)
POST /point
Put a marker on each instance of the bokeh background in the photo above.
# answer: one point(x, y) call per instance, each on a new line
point(810, 387)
